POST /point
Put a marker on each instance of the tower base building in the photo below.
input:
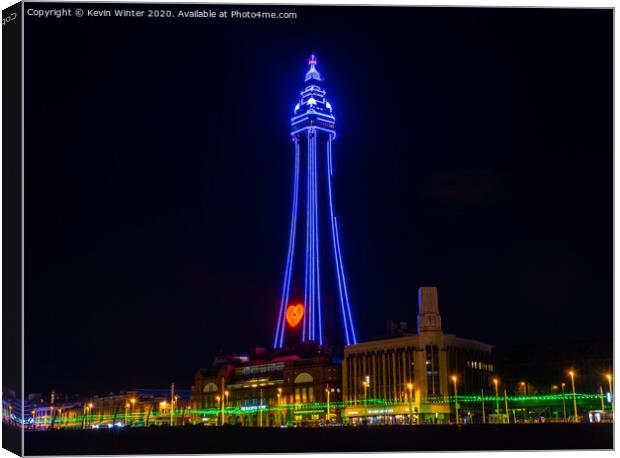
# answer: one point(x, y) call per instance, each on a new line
point(411, 379)
point(269, 389)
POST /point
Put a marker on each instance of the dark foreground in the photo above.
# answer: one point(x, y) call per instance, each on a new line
point(337, 439)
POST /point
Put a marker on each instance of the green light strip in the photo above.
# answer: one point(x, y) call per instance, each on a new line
point(583, 399)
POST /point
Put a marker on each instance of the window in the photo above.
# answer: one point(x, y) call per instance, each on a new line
point(304, 377)
point(432, 370)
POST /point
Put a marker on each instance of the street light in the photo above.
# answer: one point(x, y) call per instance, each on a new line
point(224, 401)
point(456, 401)
point(525, 412)
point(495, 381)
point(564, 400)
point(572, 379)
point(127, 405)
point(366, 384)
point(410, 388)
point(132, 408)
point(86, 409)
point(162, 408)
point(90, 412)
point(327, 415)
point(260, 407)
point(611, 392)
point(279, 406)
point(506, 404)
point(482, 402)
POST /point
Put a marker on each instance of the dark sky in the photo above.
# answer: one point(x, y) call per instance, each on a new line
point(474, 153)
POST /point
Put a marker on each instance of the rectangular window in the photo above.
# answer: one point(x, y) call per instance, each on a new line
point(432, 370)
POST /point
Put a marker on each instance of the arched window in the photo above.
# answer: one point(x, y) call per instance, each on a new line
point(304, 377)
point(210, 388)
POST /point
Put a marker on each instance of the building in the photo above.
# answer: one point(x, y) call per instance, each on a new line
point(141, 407)
point(315, 305)
point(268, 389)
point(409, 379)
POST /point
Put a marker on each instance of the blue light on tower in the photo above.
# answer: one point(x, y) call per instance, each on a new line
point(314, 264)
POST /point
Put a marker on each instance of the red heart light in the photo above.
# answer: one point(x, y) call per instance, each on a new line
point(294, 314)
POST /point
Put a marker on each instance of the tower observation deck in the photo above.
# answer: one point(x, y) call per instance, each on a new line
point(314, 305)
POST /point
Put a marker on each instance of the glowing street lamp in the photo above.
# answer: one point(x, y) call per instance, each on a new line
point(366, 383)
point(495, 382)
point(572, 379)
point(132, 405)
point(280, 406)
point(564, 400)
point(162, 407)
point(410, 388)
point(482, 402)
point(327, 415)
point(127, 405)
point(90, 412)
point(524, 387)
point(219, 403)
point(506, 404)
point(224, 400)
point(611, 392)
point(260, 407)
point(456, 400)
point(87, 408)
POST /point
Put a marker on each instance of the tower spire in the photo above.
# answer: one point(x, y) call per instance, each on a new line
point(313, 73)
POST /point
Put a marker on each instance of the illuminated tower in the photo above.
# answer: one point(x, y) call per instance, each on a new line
point(314, 289)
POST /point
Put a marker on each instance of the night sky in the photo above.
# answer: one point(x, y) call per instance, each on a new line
point(474, 153)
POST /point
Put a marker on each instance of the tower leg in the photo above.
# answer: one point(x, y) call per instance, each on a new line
point(286, 286)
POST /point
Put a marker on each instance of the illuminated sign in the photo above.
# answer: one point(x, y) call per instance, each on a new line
point(294, 314)
point(373, 411)
point(250, 408)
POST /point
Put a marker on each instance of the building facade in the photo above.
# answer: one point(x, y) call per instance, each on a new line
point(135, 408)
point(411, 379)
point(268, 390)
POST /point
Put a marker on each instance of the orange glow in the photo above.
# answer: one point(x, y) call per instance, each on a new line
point(294, 314)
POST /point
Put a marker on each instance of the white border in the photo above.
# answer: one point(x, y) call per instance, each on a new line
point(458, 3)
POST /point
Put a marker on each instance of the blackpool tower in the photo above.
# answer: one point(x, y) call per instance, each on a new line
point(314, 290)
